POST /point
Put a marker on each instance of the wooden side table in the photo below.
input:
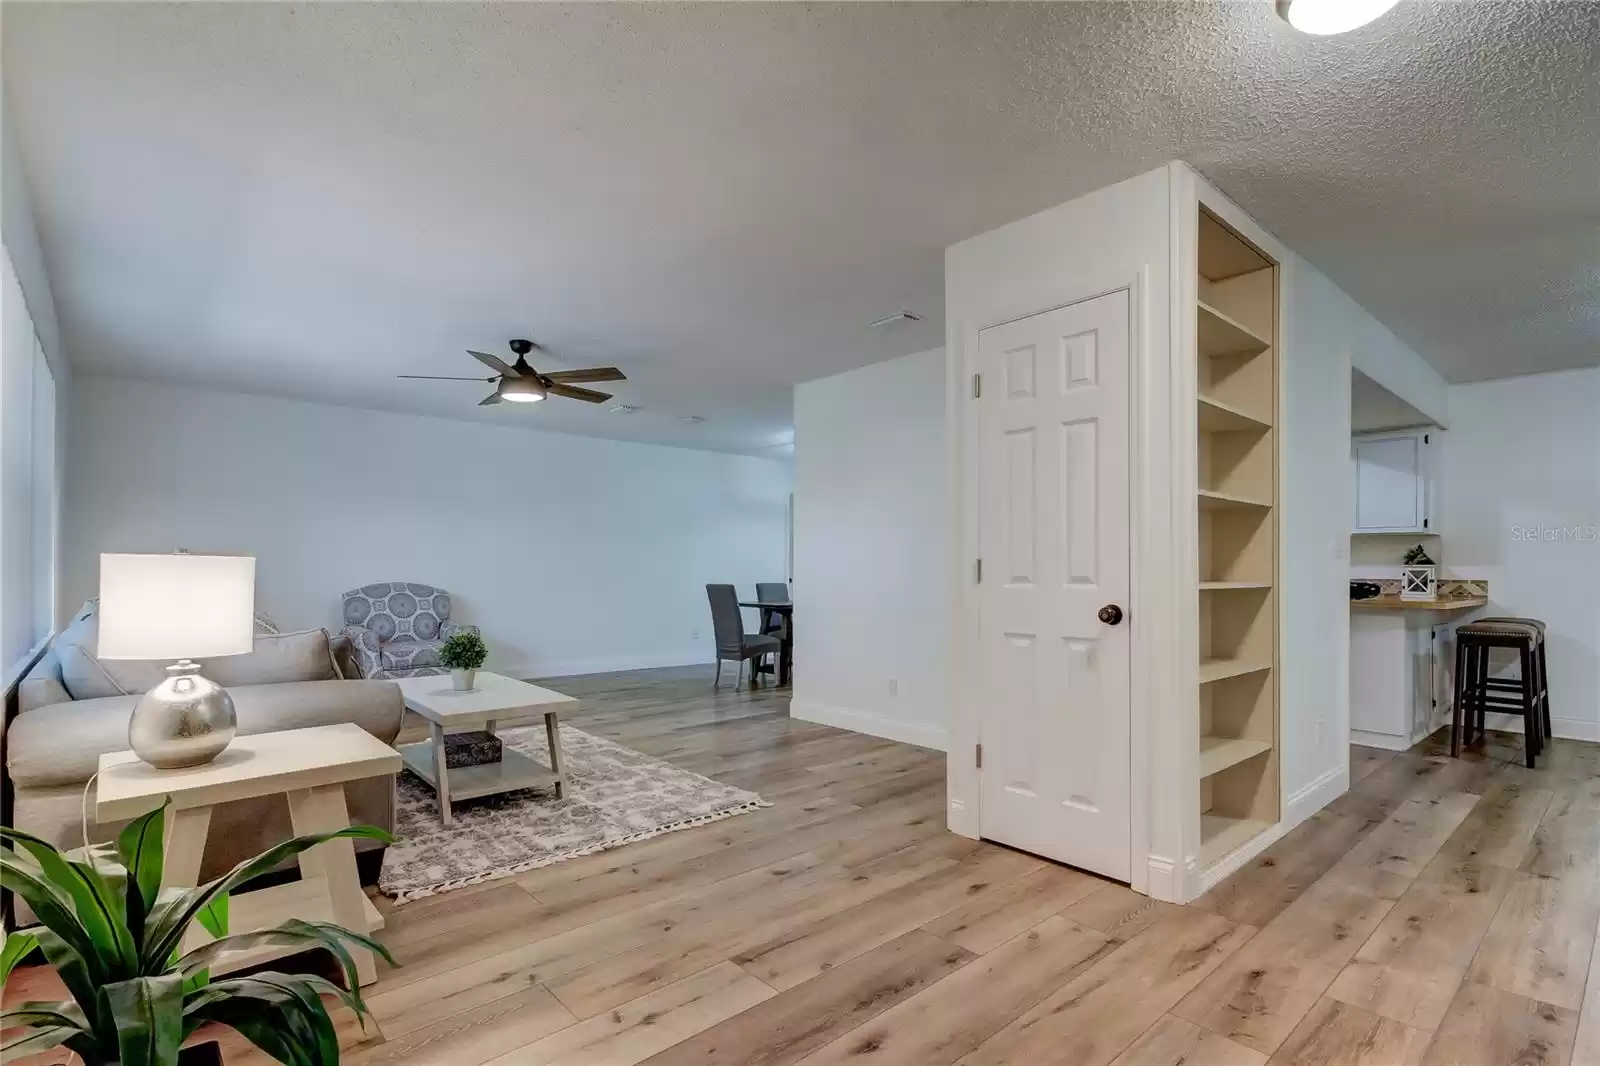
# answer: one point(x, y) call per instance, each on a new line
point(309, 768)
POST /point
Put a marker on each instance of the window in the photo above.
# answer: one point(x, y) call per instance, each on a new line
point(28, 491)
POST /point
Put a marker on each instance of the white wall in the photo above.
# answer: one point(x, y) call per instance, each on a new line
point(1322, 337)
point(1387, 360)
point(1329, 336)
point(1520, 507)
point(572, 554)
point(1116, 237)
point(871, 551)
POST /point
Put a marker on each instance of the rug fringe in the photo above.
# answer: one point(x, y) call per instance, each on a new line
point(411, 895)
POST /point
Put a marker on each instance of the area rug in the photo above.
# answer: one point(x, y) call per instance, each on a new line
point(614, 796)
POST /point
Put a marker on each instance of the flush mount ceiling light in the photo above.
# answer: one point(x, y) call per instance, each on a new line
point(1323, 18)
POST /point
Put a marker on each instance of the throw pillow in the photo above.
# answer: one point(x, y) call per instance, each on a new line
point(82, 674)
point(277, 658)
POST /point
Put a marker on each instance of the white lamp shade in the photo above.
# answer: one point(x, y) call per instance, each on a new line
point(176, 606)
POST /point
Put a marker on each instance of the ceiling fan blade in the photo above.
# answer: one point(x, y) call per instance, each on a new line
point(594, 373)
point(493, 362)
point(434, 377)
point(572, 392)
point(493, 397)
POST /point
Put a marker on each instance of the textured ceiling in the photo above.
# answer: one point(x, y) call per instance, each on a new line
point(305, 200)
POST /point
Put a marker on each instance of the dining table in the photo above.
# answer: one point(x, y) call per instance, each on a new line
point(784, 609)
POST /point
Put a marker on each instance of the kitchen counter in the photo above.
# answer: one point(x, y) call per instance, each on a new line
point(1395, 603)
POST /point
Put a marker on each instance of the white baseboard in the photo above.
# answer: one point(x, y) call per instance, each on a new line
point(1306, 801)
point(1386, 741)
point(917, 733)
point(1302, 804)
point(1163, 879)
point(1564, 728)
point(609, 665)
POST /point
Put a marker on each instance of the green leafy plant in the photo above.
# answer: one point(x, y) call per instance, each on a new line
point(1417, 556)
point(114, 938)
point(464, 651)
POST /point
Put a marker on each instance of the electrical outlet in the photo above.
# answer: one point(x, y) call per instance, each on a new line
point(694, 634)
point(894, 686)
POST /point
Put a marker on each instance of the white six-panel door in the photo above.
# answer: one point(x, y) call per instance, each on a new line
point(1053, 534)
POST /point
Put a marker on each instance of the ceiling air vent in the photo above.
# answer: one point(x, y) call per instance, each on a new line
point(894, 320)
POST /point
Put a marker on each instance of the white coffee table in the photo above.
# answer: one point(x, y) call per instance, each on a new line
point(495, 700)
point(309, 767)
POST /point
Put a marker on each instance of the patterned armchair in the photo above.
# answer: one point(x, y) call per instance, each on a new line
point(396, 627)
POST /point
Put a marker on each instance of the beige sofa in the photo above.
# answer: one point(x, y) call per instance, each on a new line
point(54, 743)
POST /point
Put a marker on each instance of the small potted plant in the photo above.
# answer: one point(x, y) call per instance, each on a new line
point(462, 654)
point(114, 938)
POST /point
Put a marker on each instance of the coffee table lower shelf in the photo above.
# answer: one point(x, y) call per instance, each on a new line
point(514, 770)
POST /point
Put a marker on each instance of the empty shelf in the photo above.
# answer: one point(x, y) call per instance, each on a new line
point(1220, 586)
point(1210, 499)
point(1218, 669)
point(1220, 335)
point(1220, 834)
point(1219, 417)
point(1219, 753)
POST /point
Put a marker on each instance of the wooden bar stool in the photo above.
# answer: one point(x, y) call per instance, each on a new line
point(1540, 664)
point(1476, 693)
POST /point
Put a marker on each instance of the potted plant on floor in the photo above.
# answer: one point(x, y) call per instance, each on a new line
point(462, 655)
point(115, 940)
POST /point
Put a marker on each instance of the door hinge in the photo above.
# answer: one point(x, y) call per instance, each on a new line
point(1424, 523)
point(1425, 437)
point(980, 756)
point(977, 386)
point(978, 572)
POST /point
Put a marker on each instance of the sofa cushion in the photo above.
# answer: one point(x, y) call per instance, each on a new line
point(62, 745)
point(277, 658)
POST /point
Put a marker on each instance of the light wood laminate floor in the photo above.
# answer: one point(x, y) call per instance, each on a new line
point(1442, 912)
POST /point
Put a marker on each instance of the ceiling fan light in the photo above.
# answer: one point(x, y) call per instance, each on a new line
point(521, 389)
point(1324, 18)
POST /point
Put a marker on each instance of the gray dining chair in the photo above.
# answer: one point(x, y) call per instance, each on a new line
point(733, 643)
point(773, 592)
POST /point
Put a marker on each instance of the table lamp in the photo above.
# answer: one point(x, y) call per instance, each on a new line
point(176, 607)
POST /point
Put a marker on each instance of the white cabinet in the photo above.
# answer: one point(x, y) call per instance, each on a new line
point(1393, 482)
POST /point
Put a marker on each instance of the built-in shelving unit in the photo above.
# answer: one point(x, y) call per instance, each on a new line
point(1237, 477)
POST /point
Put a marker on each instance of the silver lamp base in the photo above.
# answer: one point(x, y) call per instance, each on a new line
point(186, 720)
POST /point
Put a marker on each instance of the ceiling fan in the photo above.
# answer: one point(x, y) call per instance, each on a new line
point(520, 383)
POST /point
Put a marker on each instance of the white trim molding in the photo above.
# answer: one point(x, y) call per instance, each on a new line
point(616, 664)
point(1563, 728)
point(1310, 799)
point(1386, 741)
point(924, 736)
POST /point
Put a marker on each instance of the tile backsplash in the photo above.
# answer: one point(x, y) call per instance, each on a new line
point(1450, 588)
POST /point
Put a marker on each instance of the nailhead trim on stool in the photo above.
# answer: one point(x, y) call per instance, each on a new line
point(1476, 692)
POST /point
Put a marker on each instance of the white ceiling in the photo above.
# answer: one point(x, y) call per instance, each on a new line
point(306, 200)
